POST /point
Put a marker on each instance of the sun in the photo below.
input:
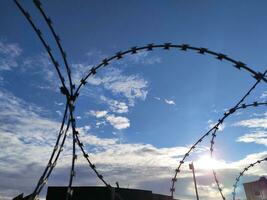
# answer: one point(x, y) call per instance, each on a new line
point(207, 163)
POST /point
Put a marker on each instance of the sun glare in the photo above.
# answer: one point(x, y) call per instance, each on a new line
point(206, 162)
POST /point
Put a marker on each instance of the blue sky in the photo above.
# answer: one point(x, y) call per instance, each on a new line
point(139, 115)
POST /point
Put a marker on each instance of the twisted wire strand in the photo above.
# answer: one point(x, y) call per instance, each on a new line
point(49, 23)
point(44, 43)
point(55, 153)
point(74, 156)
point(242, 173)
point(69, 96)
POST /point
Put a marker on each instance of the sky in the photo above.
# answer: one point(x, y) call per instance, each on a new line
point(138, 116)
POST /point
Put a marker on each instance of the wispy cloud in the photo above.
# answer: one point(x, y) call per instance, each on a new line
point(41, 65)
point(23, 142)
point(170, 102)
point(131, 87)
point(147, 166)
point(254, 122)
point(263, 95)
point(99, 113)
point(257, 133)
point(167, 101)
point(157, 98)
point(143, 58)
point(114, 105)
point(258, 137)
point(9, 53)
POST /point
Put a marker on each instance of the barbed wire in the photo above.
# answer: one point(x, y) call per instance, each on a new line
point(242, 173)
point(69, 96)
point(49, 22)
point(58, 148)
point(44, 43)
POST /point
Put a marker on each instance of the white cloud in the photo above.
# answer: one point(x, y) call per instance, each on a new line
point(9, 53)
point(41, 65)
point(242, 163)
point(258, 137)
point(157, 98)
point(59, 103)
point(167, 101)
point(100, 123)
point(132, 87)
point(118, 122)
point(263, 95)
point(114, 105)
point(170, 102)
point(258, 125)
point(148, 167)
point(99, 113)
point(59, 113)
point(253, 123)
point(23, 141)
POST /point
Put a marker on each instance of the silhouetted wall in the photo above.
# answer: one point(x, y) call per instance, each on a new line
point(102, 193)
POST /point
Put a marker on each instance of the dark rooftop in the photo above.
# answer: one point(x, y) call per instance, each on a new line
point(102, 193)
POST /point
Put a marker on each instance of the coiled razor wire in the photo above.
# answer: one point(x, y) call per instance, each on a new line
point(72, 95)
point(69, 106)
point(42, 181)
point(214, 134)
point(242, 173)
point(72, 86)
